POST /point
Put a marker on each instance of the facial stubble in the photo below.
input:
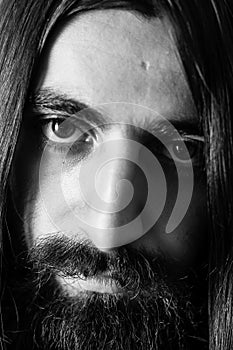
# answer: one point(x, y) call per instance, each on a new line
point(154, 312)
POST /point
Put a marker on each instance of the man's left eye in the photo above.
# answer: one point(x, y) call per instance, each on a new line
point(184, 151)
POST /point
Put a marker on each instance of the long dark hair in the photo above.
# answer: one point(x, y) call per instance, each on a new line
point(204, 34)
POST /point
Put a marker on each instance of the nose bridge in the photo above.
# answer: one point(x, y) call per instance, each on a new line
point(121, 162)
point(116, 183)
point(120, 187)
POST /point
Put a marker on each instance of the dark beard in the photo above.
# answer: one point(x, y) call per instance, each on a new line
point(156, 312)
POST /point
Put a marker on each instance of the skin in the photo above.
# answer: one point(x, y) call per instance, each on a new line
point(102, 58)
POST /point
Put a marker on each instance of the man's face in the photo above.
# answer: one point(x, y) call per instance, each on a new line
point(127, 71)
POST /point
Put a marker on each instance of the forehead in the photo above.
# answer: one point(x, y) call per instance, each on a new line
point(109, 56)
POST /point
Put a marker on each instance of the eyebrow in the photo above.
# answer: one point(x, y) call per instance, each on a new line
point(50, 101)
point(185, 127)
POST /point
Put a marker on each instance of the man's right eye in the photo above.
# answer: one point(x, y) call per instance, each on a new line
point(64, 134)
point(60, 130)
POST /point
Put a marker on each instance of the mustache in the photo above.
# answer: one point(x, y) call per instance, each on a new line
point(156, 307)
point(132, 269)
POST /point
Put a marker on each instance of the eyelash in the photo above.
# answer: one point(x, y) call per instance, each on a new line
point(164, 141)
point(197, 158)
point(83, 147)
point(76, 147)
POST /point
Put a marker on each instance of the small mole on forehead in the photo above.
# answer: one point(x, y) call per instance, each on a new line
point(145, 65)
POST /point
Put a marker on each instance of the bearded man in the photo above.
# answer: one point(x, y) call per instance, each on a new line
point(116, 158)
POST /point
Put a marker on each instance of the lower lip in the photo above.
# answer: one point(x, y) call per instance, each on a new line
point(100, 285)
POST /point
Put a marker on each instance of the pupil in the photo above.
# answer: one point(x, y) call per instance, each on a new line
point(181, 152)
point(63, 129)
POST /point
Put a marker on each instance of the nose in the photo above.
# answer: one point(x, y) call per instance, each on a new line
point(116, 181)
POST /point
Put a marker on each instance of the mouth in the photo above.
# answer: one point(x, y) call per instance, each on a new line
point(100, 284)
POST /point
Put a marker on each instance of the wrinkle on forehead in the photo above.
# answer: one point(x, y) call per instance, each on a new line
point(115, 56)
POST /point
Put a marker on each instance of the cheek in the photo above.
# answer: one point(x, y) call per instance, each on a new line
point(187, 244)
point(30, 180)
point(50, 199)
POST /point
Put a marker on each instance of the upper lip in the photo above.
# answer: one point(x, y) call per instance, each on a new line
point(103, 278)
point(105, 281)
